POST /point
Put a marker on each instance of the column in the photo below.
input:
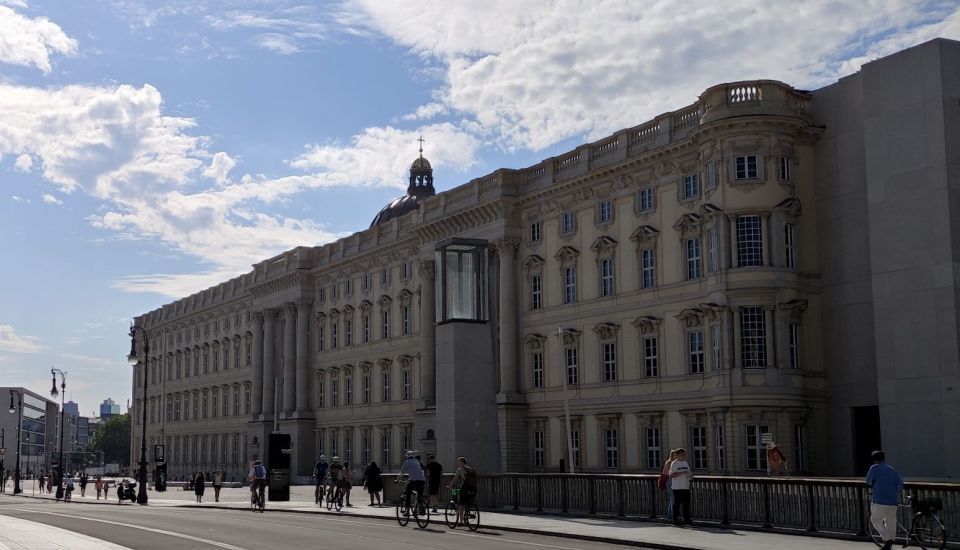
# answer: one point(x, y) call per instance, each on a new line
point(256, 405)
point(428, 348)
point(269, 320)
point(507, 249)
point(289, 359)
point(303, 361)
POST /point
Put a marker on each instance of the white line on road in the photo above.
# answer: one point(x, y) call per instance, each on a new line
point(223, 545)
point(498, 539)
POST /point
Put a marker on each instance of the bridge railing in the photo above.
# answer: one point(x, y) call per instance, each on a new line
point(825, 505)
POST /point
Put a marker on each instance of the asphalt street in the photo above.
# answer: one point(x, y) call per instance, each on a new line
point(156, 528)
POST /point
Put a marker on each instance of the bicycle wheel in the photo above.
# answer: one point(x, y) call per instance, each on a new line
point(874, 535)
point(450, 514)
point(329, 498)
point(928, 531)
point(471, 516)
point(338, 501)
point(403, 515)
point(422, 514)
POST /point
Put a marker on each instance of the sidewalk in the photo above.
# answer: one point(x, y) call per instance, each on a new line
point(644, 534)
point(21, 534)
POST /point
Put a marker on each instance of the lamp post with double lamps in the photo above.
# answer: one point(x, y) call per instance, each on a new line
point(63, 395)
point(132, 358)
point(16, 469)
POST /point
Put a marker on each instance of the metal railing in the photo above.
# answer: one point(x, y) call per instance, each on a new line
point(838, 507)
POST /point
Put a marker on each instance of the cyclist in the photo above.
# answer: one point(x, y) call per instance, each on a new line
point(465, 479)
point(411, 467)
point(334, 473)
point(258, 479)
point(320, 475)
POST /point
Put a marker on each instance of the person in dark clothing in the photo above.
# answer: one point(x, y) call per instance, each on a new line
point(434, 477)
point(372, 481)
point(83, 484)
point(198, 485)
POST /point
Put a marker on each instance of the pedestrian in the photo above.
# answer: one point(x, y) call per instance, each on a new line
point(198, 485)
point(434, 477)
point(98, 485)
point(776, 461)
point(372, 481)
point(680, 473)
point(68, 489)
point(347, 483)
point(217, 485)
point(668, 482)
point(83, 483)
point(886, 484)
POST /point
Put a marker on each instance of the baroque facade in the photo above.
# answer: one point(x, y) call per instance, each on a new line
point(665, 283)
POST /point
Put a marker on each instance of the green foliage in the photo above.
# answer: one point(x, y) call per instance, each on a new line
point(113, 438)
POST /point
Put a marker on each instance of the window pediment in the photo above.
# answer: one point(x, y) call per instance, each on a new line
point(384, 362)
point(535, 341)
point(794, 308)
point(604, 246)
point(791, 208)
point(692, 317)
point(567, 255)
point(333, 312)
point(365, 306)
point(384, 301)
point(647, 324)
point(645, 235)
point(404, 296)
point(606, 331)
point(571, 337)
point(712, 311)
point(688, 225)
point(347, 310)
point(709, 212)
point(533, 263)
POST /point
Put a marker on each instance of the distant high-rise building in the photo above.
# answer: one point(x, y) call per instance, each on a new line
point(71, 408)
point(108, 408)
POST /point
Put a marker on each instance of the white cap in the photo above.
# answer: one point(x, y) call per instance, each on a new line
point(410, 454)
point(323, 457)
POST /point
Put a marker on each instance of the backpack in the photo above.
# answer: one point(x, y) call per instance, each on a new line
point(260, 471)
point(469, 478)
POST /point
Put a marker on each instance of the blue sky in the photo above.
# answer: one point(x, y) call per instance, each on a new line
point(151, 149)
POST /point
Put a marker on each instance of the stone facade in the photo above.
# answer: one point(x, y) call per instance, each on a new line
point(671, 274)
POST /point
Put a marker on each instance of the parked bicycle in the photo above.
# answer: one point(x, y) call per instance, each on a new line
point(420, 510)
point(918, 521)
point(471, 513)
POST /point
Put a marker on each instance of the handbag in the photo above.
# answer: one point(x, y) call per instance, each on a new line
point(662, 481)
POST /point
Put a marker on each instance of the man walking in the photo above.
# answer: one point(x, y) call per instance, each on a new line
point(680, 474)
point(886, 484)
point(435, 476)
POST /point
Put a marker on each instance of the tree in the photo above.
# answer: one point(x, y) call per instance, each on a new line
point(113, 438)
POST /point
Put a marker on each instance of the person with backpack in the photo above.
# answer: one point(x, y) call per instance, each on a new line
point(464, 479)
point(320, 476)
point(258, 479)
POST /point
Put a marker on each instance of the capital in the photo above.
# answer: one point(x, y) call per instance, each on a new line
point(428, 268)
point(506, 246)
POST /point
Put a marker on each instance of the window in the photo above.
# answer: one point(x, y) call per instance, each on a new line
point(568, 222)
point(321, 296)
point(721, 452)
point(348, 446)
point(365, 282)
point(756, 454)
point(648, 277)
point(405, 313)
point(385, 324)
point(366, 328)
point(385, 276)
point(784, 169)
point(407, 385)
point(321, 329)
point(333, 392)
point(333, 334)
point(538, 449)
point(612, 448)
point(366, 387)
point(653, 448)
point(691, 187)
point(535, 229)
point(606, 277)
point(365, 445)
point(794, 348)
point(573, 374)
point(609, 359)
point(646, 199)
point(348, 390)
point(348, 325)
point(536, 292)
point(693, 259)
point(712, 174)
point(753, 337)
point(575, 446)
point(236, 401)
point(695, 351)
point(715, 346)
point(789, 246)
point(405, 270)
point(569, 285)
point(746, 167)
point(799, 448)
point(348, 287)
point(713, 259)
point(406, 439)
point(333, 291)
point(604, 212)
point(215, 403)
point(698, 444)
point(385, 446)
point(651, 366)
point(385, 384)
point(537, 361)
point(226, 402)
point(749, 241)
point(246, 401)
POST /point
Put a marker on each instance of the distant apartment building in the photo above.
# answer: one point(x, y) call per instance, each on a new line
point(108, 408)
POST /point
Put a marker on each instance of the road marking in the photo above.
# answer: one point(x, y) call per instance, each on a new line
point(218, 544)
point(462, 534)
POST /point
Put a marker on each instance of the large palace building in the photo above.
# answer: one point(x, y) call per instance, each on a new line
point(764, 264)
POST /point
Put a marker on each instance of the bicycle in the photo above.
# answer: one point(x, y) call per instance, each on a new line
point(257, 503)
point(420, 511)
point(917, 521)
point(471, 512)
point(335, 500)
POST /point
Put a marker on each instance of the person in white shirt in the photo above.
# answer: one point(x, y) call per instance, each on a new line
point(680, 475)
point(411, 467)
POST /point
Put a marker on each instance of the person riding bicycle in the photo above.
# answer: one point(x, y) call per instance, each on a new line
point(465, 480)
point(258, 479)
point(334, 473)
point(411, 467)
point(320, 475)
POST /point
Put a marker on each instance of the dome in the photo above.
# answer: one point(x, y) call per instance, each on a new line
point(396, 208)
point(421, 163)
point(420, 187)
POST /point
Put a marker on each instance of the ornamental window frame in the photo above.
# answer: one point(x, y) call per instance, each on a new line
point(753, 336)
point(568, 222)
point(749, 235)
point(689, 187)
point(646, 199)
point(747, 167)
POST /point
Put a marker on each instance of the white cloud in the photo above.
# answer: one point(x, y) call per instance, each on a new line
point(279, 43)
point(18, 198)
point(23, 163)
point(532, 74)
point(220, 166)
point(31, 41)
point(50, 199)
point(11, 342)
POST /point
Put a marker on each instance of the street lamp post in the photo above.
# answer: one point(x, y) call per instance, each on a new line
point(132, 358)
point(16, 471)
point(63, 396)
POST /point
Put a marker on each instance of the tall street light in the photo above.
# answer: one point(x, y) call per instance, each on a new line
point(132, 358)
point(16, 472)
point(63, 395)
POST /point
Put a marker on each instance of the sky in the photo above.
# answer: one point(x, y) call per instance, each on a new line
point(149, 150)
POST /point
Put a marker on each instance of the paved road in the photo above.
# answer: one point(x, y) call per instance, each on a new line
point(186, 529)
